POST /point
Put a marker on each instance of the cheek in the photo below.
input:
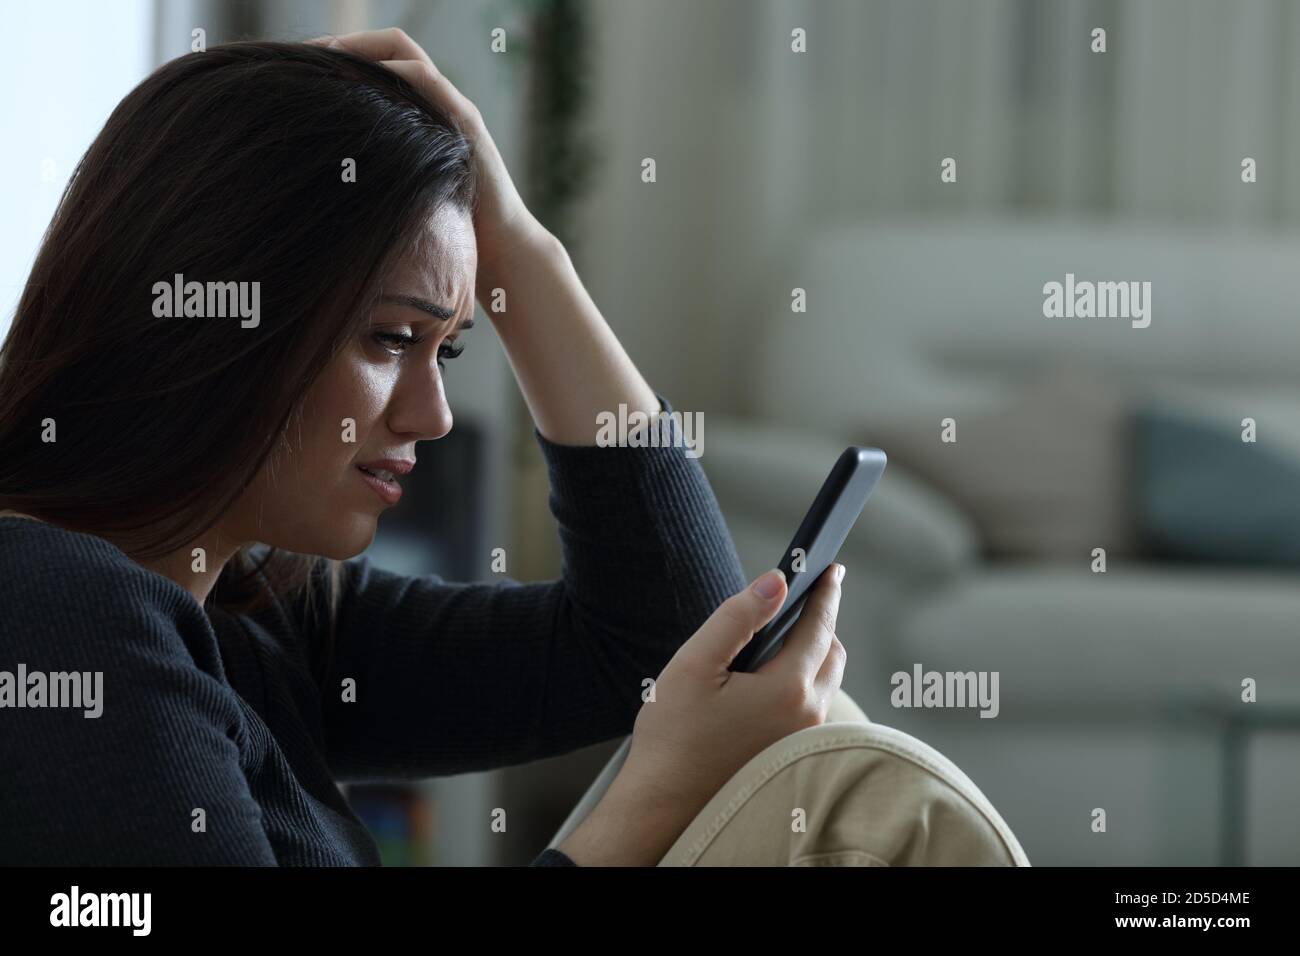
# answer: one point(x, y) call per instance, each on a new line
point(352, 389)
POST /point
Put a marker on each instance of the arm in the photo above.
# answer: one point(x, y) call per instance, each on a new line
point(567, 360)
point(453, 678)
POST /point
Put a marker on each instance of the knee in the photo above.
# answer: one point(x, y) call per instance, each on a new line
point(895, 806)
point(855, 794)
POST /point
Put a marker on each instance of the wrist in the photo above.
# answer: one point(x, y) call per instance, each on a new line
point(626, 828)
point(525, 243)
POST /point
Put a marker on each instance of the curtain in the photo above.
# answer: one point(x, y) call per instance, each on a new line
point(1154, 128)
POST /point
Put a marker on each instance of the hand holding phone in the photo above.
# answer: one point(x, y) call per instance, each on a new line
point(697, 733)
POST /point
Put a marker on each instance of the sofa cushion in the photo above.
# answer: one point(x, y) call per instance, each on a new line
point(1044, 474)
point(1206, 495)
point(1133, 638)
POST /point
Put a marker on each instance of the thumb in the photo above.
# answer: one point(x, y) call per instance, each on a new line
point(731, 626)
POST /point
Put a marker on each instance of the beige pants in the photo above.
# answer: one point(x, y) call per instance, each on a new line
point(848, 793)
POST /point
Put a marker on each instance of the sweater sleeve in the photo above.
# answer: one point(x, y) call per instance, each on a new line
point(448, 678)
point(552, 857)
point(154, 778)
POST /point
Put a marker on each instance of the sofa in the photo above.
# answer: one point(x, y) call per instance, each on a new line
point(1121, 691)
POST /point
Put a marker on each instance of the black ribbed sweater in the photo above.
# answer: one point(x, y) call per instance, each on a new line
point(203, 709)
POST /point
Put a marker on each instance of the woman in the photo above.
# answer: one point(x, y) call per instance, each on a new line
point(235, 336)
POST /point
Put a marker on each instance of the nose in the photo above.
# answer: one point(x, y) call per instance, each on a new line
point(418, 406)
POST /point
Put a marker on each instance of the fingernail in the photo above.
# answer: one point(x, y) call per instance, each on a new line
point(768, 584)
point(839, 572)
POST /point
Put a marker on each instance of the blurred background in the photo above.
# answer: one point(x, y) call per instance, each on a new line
point(855, 210)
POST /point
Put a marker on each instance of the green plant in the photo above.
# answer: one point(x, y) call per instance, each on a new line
point(559, 159)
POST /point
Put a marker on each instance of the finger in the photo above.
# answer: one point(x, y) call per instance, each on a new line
point(809, 639)
point(732, 625)
point(388, 44)
point(832, 672)
point(326, 41)
point(435, 86)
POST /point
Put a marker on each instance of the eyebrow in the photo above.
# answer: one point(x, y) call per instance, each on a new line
point(440, 312)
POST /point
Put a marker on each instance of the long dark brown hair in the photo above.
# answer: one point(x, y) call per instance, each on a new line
point(222, 166)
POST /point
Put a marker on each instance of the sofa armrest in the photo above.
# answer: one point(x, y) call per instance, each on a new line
point(774, 472)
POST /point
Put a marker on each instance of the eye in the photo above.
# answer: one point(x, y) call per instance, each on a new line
point(449, 351)
point(403, 339)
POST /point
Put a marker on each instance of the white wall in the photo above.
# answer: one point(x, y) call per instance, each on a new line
point(66, 66)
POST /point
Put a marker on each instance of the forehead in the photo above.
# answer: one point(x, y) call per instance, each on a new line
point(440, 264)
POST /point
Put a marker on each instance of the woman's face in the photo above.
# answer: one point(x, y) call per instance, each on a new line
point(314, 499)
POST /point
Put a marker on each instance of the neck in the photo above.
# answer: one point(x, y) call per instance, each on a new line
point(195, 567)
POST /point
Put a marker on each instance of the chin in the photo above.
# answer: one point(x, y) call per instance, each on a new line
point(350, 541)
point(336, 537)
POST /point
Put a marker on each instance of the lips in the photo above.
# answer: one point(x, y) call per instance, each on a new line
point(381, 475)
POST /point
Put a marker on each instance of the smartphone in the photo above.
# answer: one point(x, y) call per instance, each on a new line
point(830, 519)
